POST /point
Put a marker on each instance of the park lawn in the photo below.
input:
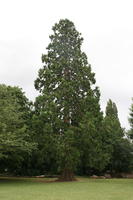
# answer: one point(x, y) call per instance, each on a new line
point(83, 189)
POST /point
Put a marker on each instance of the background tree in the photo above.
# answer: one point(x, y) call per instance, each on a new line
point(14, 130)
point(94, 152)
point(111, 120)
point(65, 83)
point(44, 157)
point(120, 147)
point(131, 122)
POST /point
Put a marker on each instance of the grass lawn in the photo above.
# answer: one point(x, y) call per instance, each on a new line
point(83, 189)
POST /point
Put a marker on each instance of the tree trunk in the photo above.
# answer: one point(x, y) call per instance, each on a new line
point(67, 175)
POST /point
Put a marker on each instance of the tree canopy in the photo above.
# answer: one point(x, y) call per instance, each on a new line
point(63, 131)
point(69, 98)
point(131, 121)
point(14, 134)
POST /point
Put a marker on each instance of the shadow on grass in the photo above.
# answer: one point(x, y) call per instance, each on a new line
point(26, 179)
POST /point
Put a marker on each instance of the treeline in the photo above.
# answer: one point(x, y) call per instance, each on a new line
point(64, 130)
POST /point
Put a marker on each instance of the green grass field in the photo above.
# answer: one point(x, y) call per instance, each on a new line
point(83, 189)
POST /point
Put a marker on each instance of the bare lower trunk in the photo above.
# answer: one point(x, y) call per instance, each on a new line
point(67, 175)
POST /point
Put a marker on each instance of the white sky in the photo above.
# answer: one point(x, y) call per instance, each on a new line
point(107, 29)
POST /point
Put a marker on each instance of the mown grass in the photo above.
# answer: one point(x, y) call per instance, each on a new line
point(83, 189)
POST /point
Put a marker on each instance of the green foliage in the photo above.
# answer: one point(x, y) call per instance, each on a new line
point(120, 147)
point(67, 151)
point(64, 131)
point(111, 110)
point(14, 132)
point(131, 122)
point(122, 157)
point(66, 77)
point(111, 121)
point(68, 104)
point(94, 150)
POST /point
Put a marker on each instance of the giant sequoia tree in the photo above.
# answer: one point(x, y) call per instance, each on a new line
point(67, 100)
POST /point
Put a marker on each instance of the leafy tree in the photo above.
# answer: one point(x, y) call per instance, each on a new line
point(65, 83)
point(44, 158)
point(14, 131)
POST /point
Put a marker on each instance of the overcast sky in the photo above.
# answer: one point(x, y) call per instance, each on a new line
point(107, 29)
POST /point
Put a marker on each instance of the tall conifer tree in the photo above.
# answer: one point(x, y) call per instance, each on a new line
point(67, 99)
point(114, 139)
point(131, 121)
